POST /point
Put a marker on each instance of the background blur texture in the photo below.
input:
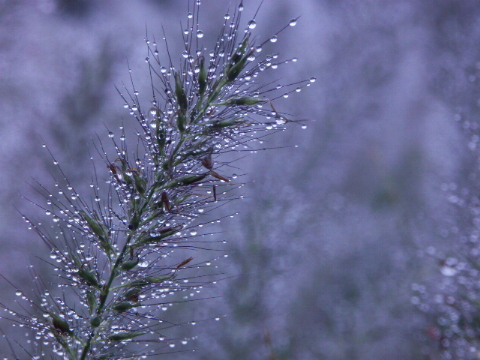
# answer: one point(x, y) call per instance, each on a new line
point(333, 233)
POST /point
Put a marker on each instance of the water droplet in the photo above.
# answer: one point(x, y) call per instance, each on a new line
point(18, 293)
point(313, 79)
point(199, 34)
point(304, 127)
point(111, 134)
point(274, 39)
point(252, 24)
point(448, 271)
point(227, 16)
point(193, 232)
point(190, 15)
point(171, 345)
point(293, 22)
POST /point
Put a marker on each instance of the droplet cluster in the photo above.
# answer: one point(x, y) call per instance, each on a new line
point(122, 256)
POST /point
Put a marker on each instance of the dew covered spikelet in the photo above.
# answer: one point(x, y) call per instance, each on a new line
point(122, 254)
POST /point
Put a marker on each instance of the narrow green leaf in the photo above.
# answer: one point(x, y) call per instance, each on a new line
point(130, 264)
point(123, 306)
point(126, 335)
point(88, 276)
point(180, 93)
point(202, 78)
point(140, 183)
point(60, 324)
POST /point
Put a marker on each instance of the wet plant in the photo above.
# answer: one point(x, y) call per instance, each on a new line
point(452, 301)
point(124, 256)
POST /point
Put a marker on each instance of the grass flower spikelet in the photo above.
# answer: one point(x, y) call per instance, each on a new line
point(115, 256)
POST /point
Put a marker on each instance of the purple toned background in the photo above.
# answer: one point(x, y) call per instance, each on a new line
point(333, 233)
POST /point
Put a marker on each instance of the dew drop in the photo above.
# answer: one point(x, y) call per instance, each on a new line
point(171, 345)
point(199, 34)
point(193, 232)
point(110, 134)
point(313, 79)
point(274, 39)
point(252, 24)
point(293, 22)
point(304, 127)
point(18, 293)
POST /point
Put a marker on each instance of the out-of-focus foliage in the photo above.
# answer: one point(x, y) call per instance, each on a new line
point(380, 192)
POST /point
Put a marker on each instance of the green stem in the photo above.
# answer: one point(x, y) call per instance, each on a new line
point(105, 292)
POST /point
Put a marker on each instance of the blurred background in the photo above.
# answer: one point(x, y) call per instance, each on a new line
point(340, 226)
